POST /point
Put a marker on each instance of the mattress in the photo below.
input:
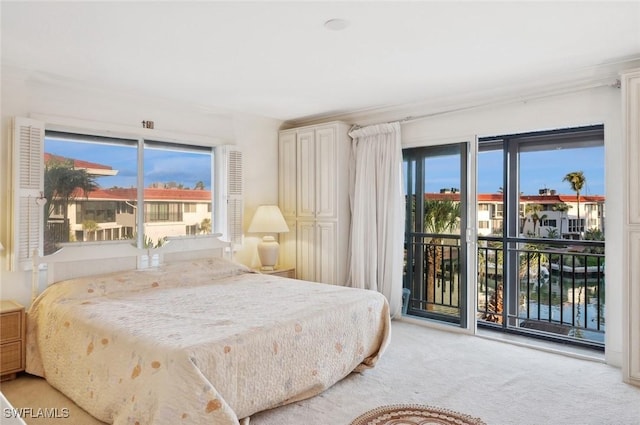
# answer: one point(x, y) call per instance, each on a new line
point(199, 341)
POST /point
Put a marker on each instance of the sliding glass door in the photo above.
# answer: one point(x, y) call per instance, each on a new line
point(541, 234)
point(436, 218)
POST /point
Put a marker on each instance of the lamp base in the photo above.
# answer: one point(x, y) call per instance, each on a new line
point(268, 253)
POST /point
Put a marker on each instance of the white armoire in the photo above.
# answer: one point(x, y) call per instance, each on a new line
point(314, 199)
point(631, 226)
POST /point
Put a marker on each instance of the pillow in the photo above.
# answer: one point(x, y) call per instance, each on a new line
point(179, 273)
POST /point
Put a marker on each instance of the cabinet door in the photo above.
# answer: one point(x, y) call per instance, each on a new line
point(287, 256)
point(326, 172)
point(631, 125)
point(326, 252)
point(306, 181)
point(287, 173)
point(631, 228)
point(631, 367)
point(306, 250)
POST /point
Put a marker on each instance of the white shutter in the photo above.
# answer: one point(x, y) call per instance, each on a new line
point(230, 201)
point(27, 184)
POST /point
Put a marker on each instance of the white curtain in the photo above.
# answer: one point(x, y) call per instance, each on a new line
point(377, 212)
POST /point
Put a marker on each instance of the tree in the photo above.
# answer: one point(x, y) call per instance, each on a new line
point(563, 208)
point(542, 218)
point(577, 181)
point(199, 185)
point(440, 217)
point(495, 306)
point(62, 184)
point(532, 211)
point(594, 234)
point(530, 257)
point(537, 219)
point(205, 225)
point(90, 226)
point(552, 233)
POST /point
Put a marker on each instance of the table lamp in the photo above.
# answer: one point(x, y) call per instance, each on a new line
point(268, 219)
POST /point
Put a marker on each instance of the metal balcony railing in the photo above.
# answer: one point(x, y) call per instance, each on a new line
point(432, 275)
point(555, 288)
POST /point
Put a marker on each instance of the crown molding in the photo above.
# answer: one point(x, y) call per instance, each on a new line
point(546, 86)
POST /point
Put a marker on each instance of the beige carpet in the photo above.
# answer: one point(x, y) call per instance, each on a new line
point(500, 383)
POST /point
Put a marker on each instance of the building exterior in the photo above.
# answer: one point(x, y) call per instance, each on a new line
point(111, 214)
point(541, 215)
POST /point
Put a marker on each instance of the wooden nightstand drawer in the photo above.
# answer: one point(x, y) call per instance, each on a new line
point(12, 339)
point(10, 326)
point(11, 357)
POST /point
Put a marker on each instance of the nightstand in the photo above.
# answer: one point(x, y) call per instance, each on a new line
point(289, 272)
point(12, 339)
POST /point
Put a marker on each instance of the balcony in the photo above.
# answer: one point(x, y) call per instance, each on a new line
point(555, 288)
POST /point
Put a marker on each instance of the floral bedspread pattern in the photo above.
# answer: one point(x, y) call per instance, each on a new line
point(201, 341)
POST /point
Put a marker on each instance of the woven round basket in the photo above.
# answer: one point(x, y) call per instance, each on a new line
point(414, 414)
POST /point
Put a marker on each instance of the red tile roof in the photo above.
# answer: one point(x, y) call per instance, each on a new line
point(77, 163)
point(497, 197)
point(150, 194)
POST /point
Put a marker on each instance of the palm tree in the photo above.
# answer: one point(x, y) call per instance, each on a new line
point(563, 208)
point(90, 226)
point(205, 225)
point(538, 219)
point(440, 217)
point(594, 234)
point(577, 181)
point(532, 210)
point(62, 183)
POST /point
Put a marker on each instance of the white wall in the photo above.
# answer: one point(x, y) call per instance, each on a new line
point(586, 107)
point(258, 139)
point(255, 136)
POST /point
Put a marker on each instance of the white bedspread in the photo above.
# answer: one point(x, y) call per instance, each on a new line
point(201, 342)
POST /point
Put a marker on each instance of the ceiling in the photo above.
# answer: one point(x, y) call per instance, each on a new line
point(276, 59)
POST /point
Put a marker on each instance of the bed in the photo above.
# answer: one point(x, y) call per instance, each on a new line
point(184, 335)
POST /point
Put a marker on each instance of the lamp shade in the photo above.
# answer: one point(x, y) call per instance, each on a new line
point(268, 219)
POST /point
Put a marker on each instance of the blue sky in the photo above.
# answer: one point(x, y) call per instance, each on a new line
point(538, 170)
point(161, 166)
point(543, 169)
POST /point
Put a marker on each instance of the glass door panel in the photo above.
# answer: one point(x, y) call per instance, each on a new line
point(435, 249)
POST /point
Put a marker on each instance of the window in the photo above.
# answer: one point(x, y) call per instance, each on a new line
point(104, 188)
point(96, 211)
point(576, 226)
point(162, 211)
point(549, 223)
point(95, 180)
